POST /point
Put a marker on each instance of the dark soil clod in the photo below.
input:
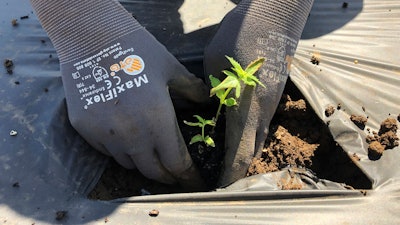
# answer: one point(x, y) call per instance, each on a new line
point(9, 65)
point(14, 22)
point(60, 215)
point(345, 5)
point(314, 60)
point(16, 185)
point(329, 111)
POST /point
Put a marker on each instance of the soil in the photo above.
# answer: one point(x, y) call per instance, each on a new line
point(297, 138)
point(359, 121)
point(385, 138)
point(329, 111)
point(8, 64)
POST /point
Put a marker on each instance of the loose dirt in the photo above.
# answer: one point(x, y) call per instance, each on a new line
point(297, 138)
point(385, 138)
point(359, 121)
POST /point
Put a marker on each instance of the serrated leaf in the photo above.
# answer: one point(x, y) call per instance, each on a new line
point(209, 141)
point(254, 66)
point(196, 138)
point(230, 102)
point(214, 81)
point(236, 66)
point(229, 73)
point(228, 82)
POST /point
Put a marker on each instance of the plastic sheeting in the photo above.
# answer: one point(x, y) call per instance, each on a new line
point(47, 168)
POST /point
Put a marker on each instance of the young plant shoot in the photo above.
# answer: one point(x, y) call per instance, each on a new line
point(222, 90)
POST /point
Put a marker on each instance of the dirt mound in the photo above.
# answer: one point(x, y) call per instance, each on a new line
point(297, 138)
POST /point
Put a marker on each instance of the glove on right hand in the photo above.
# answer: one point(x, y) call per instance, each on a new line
point(116, 77)
point(255, 28)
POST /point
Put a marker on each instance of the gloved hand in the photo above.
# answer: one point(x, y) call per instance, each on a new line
point(255, 28)
point(116, 77)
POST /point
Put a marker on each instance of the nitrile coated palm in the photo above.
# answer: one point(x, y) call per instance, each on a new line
point(116, 77)
point(255, 28)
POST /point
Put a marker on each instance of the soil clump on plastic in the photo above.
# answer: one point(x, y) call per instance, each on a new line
point(297, 138)
point(385, 138)
point(359, 121)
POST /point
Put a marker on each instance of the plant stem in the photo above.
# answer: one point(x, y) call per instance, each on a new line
point(221, 102)
point(202, 132)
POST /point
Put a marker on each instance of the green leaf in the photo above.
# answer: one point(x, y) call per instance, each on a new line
point(214, 81)
point(230, 102)
point(236, 66)
point(254, 66)
point(228, 82)
point(229, 73)
point(237, 90)
point(210, 122)
point(193, 124)
point(200, 119)
point(196, 138)
point(249, 81)
point(209, 141)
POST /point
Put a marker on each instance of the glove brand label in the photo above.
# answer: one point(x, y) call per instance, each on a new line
point(280, 46)
point(107, 74)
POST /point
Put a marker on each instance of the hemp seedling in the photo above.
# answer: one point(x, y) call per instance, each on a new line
point(200, 137)
point(222, 89)
point(233, 80)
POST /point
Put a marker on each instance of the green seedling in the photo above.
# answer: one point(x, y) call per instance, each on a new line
point(222, 90)
point(232, 81)
point(202, 123)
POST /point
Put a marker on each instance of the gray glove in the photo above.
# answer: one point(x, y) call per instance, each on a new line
point(116, 77)
point(255, 28)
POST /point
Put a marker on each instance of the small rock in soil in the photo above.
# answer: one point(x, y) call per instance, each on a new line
point(16, 185)
point(359, 121)
point(345, 5)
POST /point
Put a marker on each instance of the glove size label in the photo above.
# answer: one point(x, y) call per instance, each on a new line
point(278, 50)
point(107, 74)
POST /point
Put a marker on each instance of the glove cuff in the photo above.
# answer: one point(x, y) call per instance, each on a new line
point(77, 28)
point(288, 15)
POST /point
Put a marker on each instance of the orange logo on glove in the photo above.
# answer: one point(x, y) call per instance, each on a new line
point(131, 65)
